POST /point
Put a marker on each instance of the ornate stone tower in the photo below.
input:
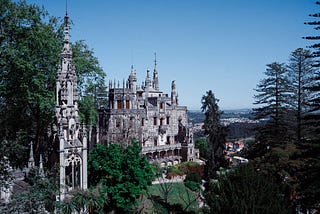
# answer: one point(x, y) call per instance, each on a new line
point(72, 138)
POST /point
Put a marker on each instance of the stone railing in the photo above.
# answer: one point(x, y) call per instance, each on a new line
point(161, 148)
point(165, 159)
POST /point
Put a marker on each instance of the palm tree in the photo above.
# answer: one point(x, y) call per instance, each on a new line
point(86, 201)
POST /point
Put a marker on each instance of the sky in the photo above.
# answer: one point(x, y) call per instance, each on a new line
point(203, 45)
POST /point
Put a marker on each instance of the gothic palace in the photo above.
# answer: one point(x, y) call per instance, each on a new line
point(152, 117)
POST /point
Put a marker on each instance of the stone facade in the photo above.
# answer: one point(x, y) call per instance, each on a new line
point(152, 117)
point(71, 136)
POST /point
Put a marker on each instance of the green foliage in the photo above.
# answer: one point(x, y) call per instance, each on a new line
point(31, 43)
point(272, 97)
point(245, 191)
point(124, 172)
point(301, 74)
point(85, 201)
point(193, 181)
point(90, 80)
point(29, 56)
point(37, 196)
point(212, 113)
point(216, 134)
point(202, 145)
point(184, 168)
point(287, 144)
point(178, 200)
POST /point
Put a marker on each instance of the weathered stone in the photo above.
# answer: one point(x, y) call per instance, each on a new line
point(150, 116)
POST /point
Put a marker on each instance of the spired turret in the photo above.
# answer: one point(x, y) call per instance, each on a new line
point(31, 163)
point(132, 80)
point(72, 147)
point(173, 93)
point(155, 75)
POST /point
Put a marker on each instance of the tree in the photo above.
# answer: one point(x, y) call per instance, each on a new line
point(31, 43)
point(310, 186)
point(272, 98)
point(202, 145)
point(37, 197)
point(85, 201)
point(215, 132)
point(300, 72)
point(316, 46)
point(245, 191)
point(124, 173)
point(28, 59)
point(313, 118)
point(90, 79)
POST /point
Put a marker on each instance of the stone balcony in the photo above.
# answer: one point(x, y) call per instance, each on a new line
point(161, 148)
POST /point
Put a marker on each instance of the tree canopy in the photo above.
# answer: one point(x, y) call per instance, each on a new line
point(31, 43)
point(215, 132)
point(124, 173)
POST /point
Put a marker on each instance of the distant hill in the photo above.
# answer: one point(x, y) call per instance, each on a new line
point(237, 129)
point(198, 117)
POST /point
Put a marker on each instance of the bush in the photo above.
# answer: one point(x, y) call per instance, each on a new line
point(193, 181)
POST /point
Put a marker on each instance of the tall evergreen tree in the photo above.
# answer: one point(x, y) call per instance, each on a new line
point(313, 119)
point(300, 72)
point(316, 46)
point(272, 97)
point(216, 133)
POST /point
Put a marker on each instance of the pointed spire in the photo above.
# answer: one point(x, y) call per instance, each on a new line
point(31, 158)
point(66, 28)
point(155, 74)
point(41, 171)
point(66, 55)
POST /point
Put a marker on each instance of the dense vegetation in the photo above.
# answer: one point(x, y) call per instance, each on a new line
point(31, 42)
point(283, 174)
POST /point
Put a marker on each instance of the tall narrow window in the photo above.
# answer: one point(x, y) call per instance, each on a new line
point(127, 104)
point(161, 105)
point(131, 122)
point(155, 121)
point(142, 122)
point(168, 120)
point(119, 104)
point(161, 121)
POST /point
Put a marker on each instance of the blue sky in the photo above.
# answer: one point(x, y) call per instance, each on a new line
point(216, 45)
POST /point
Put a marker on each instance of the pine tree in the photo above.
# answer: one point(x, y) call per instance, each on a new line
point(300, 72)
point(272, 97)
point(215, 132)
point(316, 46)
point(313, 118)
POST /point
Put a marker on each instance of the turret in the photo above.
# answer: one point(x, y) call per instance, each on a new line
point(31, 158)
point(173, 93)
point(72, 146)
point(132, 80)
point(148, 81)
point(155, 74)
